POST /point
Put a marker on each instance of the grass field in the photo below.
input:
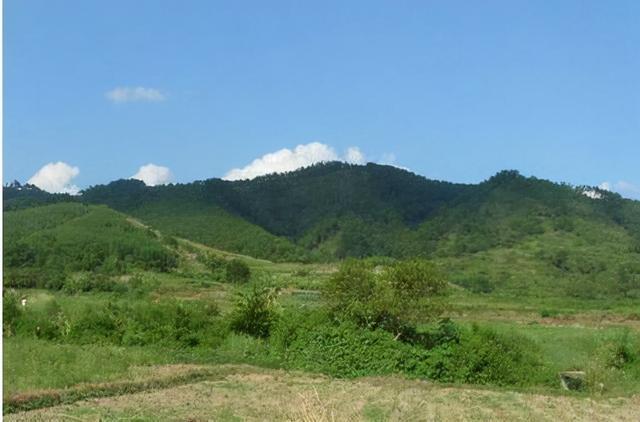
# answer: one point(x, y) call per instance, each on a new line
point(237, 378)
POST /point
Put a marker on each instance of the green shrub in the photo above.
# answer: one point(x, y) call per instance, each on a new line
point(394, 298)
point(621, 352)
point(236, 271)
point(169, 323)
point(341, 350)
point(255, 312)
point(292, 324)
point(55, 281)
point(213, 262)
point(484, 356)
point(10, 311)
point(34, 278)
point(480, 283)
point(88, 282)
point(547, 313)
point(40, 320)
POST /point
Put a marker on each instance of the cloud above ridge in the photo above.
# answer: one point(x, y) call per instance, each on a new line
point(153, 175)
point(56, 178)
point(285, 160)
point(623, 187)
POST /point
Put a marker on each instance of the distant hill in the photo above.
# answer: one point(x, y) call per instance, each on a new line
point(336, 210)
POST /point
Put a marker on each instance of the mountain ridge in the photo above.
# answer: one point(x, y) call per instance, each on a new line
point(509, 233)
point(366, 206)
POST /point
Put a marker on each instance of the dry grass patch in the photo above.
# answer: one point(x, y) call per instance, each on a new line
point(255, 394)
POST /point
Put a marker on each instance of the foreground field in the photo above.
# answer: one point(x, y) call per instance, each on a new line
point(241, 392)
point(153, 345)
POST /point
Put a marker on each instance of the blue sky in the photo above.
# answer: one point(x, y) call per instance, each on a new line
point(453, 90)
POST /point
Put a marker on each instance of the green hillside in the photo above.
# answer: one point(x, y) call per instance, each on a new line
point(187, 211)
point(17, 196)
point(510, 233)
point(524, 279)
point(42, 244)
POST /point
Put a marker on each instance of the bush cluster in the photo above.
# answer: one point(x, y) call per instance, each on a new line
point(373, 324)
point(448, 353)
point(83, 282)
point(231, 271)
point(255, 312)
point(168, 323)
point(392, 298)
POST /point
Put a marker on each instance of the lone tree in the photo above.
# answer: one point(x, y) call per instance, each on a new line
point(395, 298)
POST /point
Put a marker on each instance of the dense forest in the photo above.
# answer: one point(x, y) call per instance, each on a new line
point(500, 228)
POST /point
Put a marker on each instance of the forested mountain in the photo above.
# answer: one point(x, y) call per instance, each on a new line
point(337, 210)
point(488, 233)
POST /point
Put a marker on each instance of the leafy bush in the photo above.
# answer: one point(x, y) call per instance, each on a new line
point(480, 283)
point(342, 350)
point(255, 312)
point(548, 313)
point(39, 320)
point(621, 352)
point(312, 341)
point(169, 323)
point(32, 278)
point(237, 271)
point(88, 282)
point(10, 311)
point(213, 262)
point(394, 298)
point(484, 356)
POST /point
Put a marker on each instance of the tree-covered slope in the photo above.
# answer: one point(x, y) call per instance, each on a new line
point(536, 229)
point(47, 241)
point(190, 211)
point(327, 210)
point(17, 196)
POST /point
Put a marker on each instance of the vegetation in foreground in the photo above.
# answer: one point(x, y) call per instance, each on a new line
point(369, 320)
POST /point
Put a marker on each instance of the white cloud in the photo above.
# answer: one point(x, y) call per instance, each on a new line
point(605, 186)
point(56, 178)
point(354, 156)
point(131, 94)
point(286, 160)
point(623, 187)
point(388, 158)
point(153, 175)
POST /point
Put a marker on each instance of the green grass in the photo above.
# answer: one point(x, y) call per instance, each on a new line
point(567, 348)
point(578, 333)
point(32, 364)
